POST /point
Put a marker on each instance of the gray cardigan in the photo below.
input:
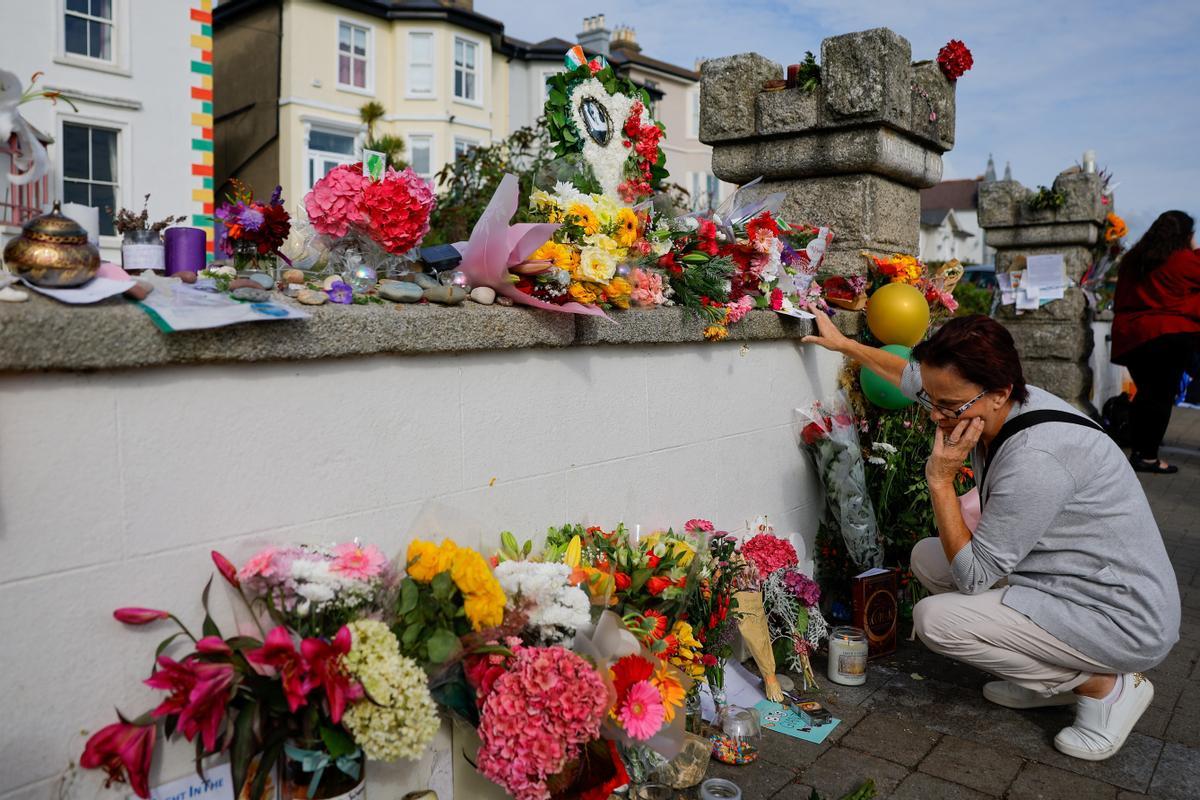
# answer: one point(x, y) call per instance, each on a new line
point(1066, 521)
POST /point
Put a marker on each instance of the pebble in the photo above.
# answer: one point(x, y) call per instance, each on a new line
point(310, 297)
point(294, 289)
point(187, 276)
point(425, 280)
point(255, 295)
point(399, 292)
point(446, 295)
point(263, 280)
point(243, 283)
point(330, 281)
point(484, 295)
point(10, 295)
point(504, 301)
point(293, 276)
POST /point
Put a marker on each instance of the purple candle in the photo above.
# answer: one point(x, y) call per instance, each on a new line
point(185, 250)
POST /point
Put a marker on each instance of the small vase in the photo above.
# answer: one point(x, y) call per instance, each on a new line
point(640, 764)
point(143, 249)
point(246, 258)
point(312, 775)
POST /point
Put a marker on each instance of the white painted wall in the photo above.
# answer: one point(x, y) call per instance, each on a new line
point(114, 487)
point(145, 95)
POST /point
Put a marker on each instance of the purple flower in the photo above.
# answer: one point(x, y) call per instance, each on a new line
point(277, 196)
point(340, 292)
point(250, 218)
point(802, 587)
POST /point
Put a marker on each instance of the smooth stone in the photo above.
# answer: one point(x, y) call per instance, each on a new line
point(330, 281)
point(244, 283)
point(400, 292)
point(425, 280)
point(255, 295)
point(446, 295)
point(187, 276)
point(311, 297)
point(484, 295)
point(263, 280)
point(507, 302)
point(293, 276)
point(294, 289)
point(10, 295)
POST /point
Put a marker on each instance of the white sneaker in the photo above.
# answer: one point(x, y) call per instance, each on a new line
point(1009, 695)
point(1101, 728)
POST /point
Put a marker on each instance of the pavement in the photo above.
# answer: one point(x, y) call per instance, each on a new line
point(921, 729)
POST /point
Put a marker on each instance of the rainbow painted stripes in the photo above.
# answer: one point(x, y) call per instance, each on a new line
point(202, 94)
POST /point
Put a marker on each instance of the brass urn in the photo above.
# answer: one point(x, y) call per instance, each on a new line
point(53, 251)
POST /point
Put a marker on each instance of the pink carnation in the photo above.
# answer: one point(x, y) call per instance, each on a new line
point(647, 288)
point(698, 526)
point(566, 698)
point(739, 309)
point(769, 553)
point(335, 202)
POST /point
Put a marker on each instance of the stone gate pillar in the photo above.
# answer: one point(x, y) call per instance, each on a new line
point(851, 154)
point(1055, 340)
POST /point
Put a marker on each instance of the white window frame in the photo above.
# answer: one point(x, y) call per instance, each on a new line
point(369, 89)
point(713, 197)
point(409, 92)
point(119, 64)
point(479, 71)
point(338, 129)
point(545, 95)
point(124, 163)
point(694, 113)
point(432, 139)
point(469, 142)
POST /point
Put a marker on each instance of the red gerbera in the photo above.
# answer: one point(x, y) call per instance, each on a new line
point(628, 671)
point(763, 222)
point(660, 623)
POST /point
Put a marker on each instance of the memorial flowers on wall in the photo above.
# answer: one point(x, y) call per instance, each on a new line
point(392, 212)
point(954, 59)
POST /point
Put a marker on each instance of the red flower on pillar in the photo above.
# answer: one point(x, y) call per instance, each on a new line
point(955, 59)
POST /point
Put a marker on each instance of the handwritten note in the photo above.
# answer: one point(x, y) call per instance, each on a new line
point(218, 785)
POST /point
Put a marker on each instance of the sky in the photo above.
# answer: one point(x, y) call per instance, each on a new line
point(1052, 78)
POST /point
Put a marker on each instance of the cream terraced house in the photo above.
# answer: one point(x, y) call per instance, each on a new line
point(293, 74)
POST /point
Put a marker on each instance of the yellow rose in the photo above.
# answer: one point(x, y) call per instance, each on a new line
point(425, 559)
point(596, 265)
point(627, 227)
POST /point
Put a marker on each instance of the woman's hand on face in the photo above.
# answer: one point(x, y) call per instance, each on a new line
point(828, 336)
point(951, 450)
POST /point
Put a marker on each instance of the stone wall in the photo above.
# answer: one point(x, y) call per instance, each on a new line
point(852, 154)
point(1055, 341)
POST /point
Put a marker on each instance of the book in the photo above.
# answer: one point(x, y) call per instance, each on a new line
point(875, 609)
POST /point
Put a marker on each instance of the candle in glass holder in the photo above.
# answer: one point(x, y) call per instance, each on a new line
point(793, 76)
point(1089, 161)
point(848, 656)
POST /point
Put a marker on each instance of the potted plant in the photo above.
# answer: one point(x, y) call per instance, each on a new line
point(142, 244)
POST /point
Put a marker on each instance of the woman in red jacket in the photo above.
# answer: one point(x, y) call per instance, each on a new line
point(1155, 328)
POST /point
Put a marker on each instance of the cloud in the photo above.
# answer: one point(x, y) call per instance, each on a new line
point(1052, 78)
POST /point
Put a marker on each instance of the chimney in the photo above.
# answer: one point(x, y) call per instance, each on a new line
point(594, 36)
point(625, 38)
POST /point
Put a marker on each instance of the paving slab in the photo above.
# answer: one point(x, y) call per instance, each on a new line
point(899, 739)
point(1178, 774)
point(920, 786)
point(842, 770)
point(1043, 782)
point(971, 764)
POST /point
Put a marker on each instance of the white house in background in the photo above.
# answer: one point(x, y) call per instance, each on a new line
point(127, 65)
point(950, 221)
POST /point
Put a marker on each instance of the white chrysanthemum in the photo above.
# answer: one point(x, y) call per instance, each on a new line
point(545, 592)
point(566, 194)
point(607, 160)
point(397, 718)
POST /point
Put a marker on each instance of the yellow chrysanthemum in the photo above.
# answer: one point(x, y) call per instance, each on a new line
point(618, 291)
point(581, 293)
point(425, 559)
point(627, 227)
point(542, 200)
point(584, 217)
point(595, 265)
point(484, 598)
point(715, 333)
point(670, 689)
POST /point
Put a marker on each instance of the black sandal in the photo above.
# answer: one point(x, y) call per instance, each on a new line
point(1152, 466)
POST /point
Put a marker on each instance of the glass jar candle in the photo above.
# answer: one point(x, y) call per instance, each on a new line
point(719, 789)
point(848, 656)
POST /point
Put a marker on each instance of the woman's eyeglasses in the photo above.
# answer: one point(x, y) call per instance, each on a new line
point(952, 413)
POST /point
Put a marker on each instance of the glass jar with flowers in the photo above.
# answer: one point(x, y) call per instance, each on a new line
point(142, 244)
point(254, 230)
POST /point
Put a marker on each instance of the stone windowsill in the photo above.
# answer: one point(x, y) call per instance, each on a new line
point(43, 334)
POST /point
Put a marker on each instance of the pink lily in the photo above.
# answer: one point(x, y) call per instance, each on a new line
point(213, 646)
point(226, 568)
point(326, 660)
point(123, 750)
point(139, 616)
point(279, 653)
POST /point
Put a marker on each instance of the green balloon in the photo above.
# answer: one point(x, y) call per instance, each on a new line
point(878, 390)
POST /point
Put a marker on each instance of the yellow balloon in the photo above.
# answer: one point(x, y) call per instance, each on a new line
point(898, 314)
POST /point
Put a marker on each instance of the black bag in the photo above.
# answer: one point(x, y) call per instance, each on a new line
point(1115, 417)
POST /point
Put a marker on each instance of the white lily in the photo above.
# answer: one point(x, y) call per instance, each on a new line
point(30, 159)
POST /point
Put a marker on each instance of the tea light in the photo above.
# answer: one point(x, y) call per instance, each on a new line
point(1089, 161)
point(848, 656)
point(719, 789)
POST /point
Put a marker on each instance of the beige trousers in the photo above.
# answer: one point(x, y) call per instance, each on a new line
point(987, 634)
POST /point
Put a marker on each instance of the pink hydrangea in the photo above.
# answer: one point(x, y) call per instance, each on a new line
point(566, 698)
point(769, 553)
point(335, 202)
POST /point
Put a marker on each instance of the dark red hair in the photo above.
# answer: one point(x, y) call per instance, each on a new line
point(981, 350)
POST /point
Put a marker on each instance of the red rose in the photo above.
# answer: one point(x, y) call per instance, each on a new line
point(622, 581)
point(652, 561)
point(812, 433)
point(709, 660)
point(657, 585)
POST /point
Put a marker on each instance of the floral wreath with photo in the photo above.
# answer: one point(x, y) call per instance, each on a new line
point(592, 112)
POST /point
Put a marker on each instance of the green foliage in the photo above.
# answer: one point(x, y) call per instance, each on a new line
point(1046, 198)
point(430, 618)
point(810, 73)
point(703, 277)
point(566, 137)
point(391, 146)
point(972, 299)
point(467, 184)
